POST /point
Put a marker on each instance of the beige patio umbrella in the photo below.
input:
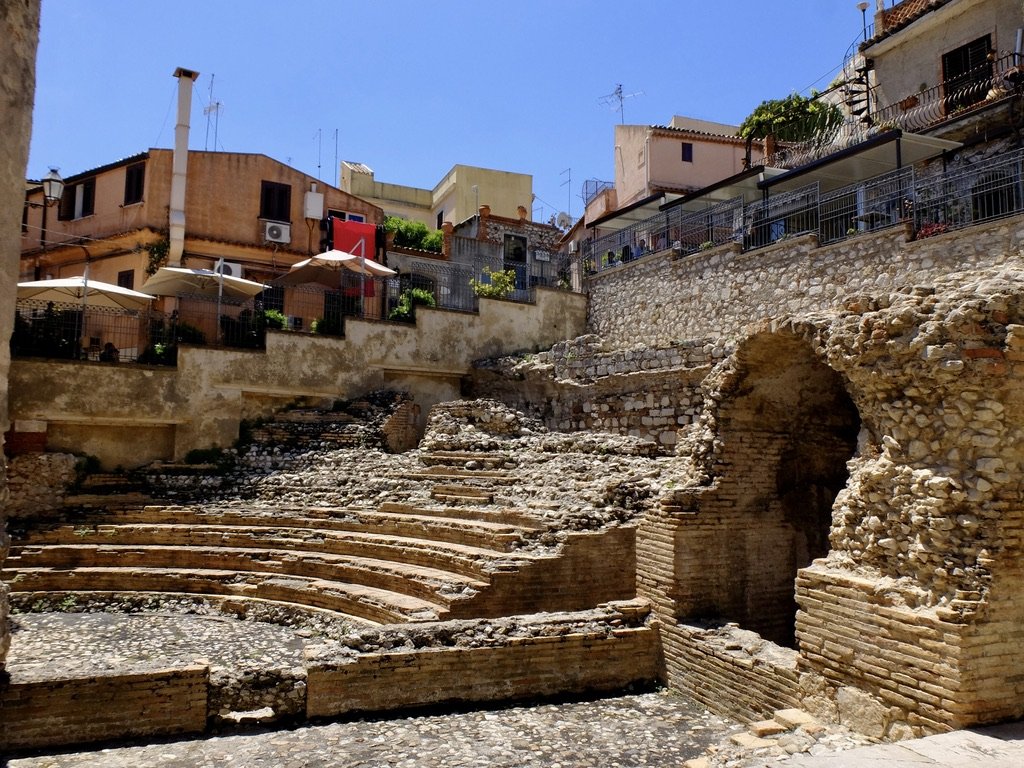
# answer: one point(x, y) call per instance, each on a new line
point(81, 290)
point(177, 281)
point(326, 268)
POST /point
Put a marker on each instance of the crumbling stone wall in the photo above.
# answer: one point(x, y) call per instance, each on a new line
point(579, 386)
point(19, 29)
point(910, 405)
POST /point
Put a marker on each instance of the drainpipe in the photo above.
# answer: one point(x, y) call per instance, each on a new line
point(180, 166)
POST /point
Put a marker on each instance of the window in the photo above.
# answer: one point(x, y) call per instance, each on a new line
point(346, 216)
point(515, 248)
point(134, 181)
point(687, 152)
point(78, 201)
point(275, 201)
point(126, 279)
point(440, 218)
point(966, 72)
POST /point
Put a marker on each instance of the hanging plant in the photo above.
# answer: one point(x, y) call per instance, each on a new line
point(158, 252)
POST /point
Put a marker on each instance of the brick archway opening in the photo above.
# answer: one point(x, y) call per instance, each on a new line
point(787, 429)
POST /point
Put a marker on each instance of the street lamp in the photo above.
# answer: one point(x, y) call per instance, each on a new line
point(53, 189)
point(863, 7)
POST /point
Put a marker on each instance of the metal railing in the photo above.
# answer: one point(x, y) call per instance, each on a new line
point(983, 191)
point(73, 332)
point(985, 84)
point(980, 192)
point(882, 202)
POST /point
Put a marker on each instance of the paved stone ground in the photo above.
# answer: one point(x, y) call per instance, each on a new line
point(653, 729)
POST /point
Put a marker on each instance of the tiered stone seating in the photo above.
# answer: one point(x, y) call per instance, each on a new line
point(457, 553)
point(398, 563)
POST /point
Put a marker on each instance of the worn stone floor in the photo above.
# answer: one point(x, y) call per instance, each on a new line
point(627, 731)
point(652, 729)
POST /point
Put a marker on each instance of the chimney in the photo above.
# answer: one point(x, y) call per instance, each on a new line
point(180, 166)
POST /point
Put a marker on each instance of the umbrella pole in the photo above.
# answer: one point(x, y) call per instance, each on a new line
point(81, 313)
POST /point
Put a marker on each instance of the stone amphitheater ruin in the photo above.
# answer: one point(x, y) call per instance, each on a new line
point(775, 481)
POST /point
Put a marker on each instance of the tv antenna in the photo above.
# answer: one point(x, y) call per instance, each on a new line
point(213, 109)
point(616, 99)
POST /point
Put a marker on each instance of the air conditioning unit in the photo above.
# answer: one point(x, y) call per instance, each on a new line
point(572, 246)
point(229, 268)
point(273, 232)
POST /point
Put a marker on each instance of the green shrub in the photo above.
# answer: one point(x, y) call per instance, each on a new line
point(274, 318)
point(189, 334)
point(408, 300)
point(328, 326)
point(500, 284)
point(414, 234)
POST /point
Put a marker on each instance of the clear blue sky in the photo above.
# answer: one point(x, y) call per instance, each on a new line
point(414, 87)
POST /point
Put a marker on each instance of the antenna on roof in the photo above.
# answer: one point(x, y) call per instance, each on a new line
point(212, 109)
point(615, 100)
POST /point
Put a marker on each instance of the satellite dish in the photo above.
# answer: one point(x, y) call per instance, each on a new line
point(563, 221)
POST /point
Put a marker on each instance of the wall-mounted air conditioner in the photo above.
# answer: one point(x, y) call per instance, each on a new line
point(572, 246)
point(274, 232)
point(229, 268)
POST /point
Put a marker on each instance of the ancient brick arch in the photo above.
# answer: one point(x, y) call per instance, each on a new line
point(781, 428)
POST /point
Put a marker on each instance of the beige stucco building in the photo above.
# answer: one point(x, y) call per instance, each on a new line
point(256, 213)
point(669, 161)
point(455, 198)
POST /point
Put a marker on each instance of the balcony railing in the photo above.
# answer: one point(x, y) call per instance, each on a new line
point(986, 84)
point(981, 192)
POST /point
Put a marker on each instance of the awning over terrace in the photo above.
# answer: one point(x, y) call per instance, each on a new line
point(868, 159)
point(874, 157)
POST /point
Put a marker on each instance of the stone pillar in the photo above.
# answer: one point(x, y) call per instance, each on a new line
point(19, 29)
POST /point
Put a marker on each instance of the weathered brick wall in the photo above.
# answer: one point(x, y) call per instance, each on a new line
point(730, 671)
point(659, 300)
point(910, 661)
point(80, 710)
point(590, 568)
point(518, 668)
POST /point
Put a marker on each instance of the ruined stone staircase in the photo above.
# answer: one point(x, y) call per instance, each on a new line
point(453, 549)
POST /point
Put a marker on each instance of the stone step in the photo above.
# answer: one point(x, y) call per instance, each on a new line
point(492, 514)
point(418, 581)
point(441, 472)
point(465, 560)
point(478, 533)
point(364, 602)
point(486, 460)
point(462, 494)
point(117, 500)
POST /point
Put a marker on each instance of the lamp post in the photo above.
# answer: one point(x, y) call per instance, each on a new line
point(863, 6)
point(53, 189)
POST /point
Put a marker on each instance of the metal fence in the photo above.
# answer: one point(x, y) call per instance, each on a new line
point(982, 191)
point(978, 192)
point(73, 332)
point(882, 202)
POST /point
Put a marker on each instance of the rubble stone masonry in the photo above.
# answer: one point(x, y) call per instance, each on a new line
point(19, 29)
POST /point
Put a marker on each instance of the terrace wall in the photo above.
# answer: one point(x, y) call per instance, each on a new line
point(132, 415)
point(660, 300)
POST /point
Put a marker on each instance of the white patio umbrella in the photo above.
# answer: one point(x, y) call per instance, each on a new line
point(81, 290)
point(326, 268)
point(174, 281)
